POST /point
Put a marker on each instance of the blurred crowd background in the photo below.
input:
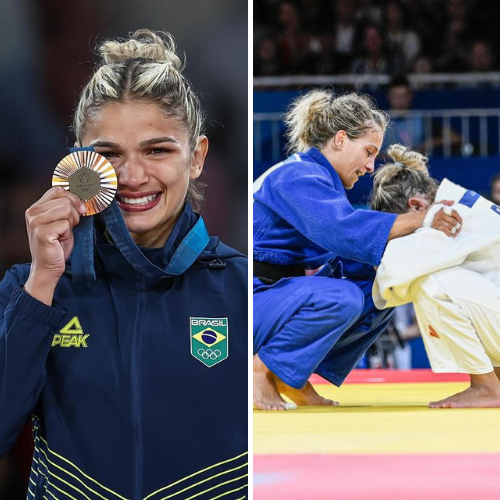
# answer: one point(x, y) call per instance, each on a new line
point(46, 56)
point(375, 36)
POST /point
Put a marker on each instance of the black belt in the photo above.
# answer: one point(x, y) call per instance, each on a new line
point(271, 273)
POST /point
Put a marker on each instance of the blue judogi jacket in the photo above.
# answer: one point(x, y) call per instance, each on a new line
point(123, 406)
point(302, 217)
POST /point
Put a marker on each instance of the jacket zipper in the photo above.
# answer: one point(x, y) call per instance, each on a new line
point(137, 345)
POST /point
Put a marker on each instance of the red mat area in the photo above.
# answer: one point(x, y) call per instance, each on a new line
point(377, 477)
point(396, 377)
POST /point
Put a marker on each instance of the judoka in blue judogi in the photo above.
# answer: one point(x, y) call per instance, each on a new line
point(322, 323)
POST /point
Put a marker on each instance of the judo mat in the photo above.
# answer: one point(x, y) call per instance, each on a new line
point(382, 443)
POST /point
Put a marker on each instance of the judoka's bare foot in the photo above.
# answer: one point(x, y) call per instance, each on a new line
point(307, 396)
point(484, 392)
point(497, 371)
point(265, 393)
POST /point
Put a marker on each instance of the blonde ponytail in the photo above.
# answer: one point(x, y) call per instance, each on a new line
point(318, 115)
point(395, 183)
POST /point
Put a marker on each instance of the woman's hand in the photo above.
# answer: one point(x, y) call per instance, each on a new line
point(444, 218)
point(50, 222)
point(449, 221)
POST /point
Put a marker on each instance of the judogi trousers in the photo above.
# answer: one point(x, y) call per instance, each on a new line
point(458, 312)
point(315, 324)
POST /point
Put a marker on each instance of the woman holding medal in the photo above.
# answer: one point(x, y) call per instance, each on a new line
point(116, 338)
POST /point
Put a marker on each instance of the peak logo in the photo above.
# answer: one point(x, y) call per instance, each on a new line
point(71, 335)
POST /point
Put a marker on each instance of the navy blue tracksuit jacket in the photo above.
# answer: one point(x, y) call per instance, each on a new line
point(126, 403)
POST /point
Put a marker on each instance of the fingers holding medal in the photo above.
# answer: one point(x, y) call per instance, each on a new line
point(84, 183)
point(50, 222)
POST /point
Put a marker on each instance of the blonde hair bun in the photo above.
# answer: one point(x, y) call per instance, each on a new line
point(146, 67)
point(145, 44)
point(394, 184)
point(408, 158)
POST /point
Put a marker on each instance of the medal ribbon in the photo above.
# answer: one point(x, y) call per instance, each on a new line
point(82, 258)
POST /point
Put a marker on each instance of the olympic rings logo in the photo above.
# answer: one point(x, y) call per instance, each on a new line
point(209, 354)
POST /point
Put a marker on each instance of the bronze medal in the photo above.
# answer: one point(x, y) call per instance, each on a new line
point(90, 176)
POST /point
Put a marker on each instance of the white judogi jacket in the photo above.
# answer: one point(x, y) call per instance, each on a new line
point(426, 251)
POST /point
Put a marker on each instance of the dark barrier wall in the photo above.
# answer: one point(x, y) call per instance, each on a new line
point(473, 172)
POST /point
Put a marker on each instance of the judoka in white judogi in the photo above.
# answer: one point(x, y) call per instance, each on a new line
point(454, 284)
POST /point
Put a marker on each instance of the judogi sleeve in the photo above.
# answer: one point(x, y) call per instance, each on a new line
point(322, 213)
point(26, 331)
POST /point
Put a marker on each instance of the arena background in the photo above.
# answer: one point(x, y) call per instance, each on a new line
point(442, 56)
point(46, 56)
point(445, 51)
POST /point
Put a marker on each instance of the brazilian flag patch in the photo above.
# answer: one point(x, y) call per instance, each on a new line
point(209, 340)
